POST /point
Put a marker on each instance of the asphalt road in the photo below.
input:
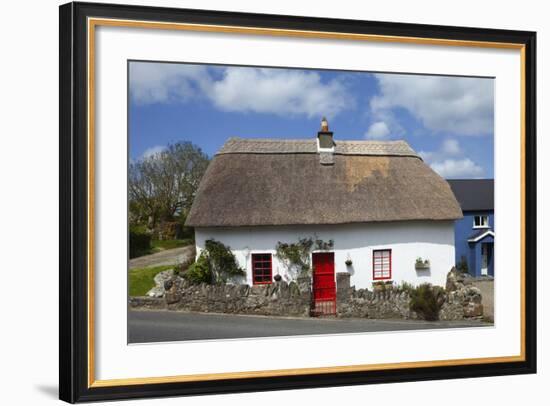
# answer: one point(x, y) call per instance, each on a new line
point(158, 326)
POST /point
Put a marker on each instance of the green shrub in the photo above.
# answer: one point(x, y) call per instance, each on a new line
point(405, 287)
point(199, 271)
point(182, 267)
point(462, 265)
point(426, 301)
point(139, 241)
point(216, 264)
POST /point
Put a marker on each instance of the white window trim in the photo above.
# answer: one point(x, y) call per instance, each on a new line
point(481, 226)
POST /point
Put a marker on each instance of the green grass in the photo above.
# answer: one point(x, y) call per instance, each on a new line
point(141, 279)
point(161, 245)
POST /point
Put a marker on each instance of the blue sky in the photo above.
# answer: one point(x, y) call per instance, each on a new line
point(447, 120)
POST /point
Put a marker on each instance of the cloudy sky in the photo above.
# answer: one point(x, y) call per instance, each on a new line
point(447, 120)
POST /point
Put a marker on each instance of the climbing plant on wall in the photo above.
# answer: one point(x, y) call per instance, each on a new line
point(297, 255)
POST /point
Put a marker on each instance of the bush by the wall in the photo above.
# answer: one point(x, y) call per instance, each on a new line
point(426, 301)
point(199, 271)
point(216, 264)
point(139, 241)
point(405, 287)
point(462, 265)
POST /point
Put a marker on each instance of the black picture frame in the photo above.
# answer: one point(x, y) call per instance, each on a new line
point(73, 283)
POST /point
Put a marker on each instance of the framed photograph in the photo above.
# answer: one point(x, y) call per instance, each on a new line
point(262, 202)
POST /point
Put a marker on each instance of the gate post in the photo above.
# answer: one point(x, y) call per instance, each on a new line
point(304, 285)
point(343, 286)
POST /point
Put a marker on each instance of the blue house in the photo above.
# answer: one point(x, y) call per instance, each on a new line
point(475, 233)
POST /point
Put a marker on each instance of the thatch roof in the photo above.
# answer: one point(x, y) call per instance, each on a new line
point(282, 182)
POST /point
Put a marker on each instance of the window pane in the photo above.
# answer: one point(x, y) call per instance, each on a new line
point(382, 264)
point(261, 268)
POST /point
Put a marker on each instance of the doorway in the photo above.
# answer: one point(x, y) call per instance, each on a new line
point(324, 284)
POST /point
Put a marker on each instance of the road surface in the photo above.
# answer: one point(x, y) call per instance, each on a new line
point(157, 326)
point(167, 257)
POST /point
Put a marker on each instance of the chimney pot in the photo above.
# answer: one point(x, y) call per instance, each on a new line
point(325, 136)
point(324, 125)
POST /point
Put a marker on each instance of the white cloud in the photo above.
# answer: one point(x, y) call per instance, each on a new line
point(151, 152)
point(279, 91)
point(451, 147)
point(458, 168)
point(449, 161)
point(164, 83)
point(276, 91)
point(378, 130)
point(461, 106)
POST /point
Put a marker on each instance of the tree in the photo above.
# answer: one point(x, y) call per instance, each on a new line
point(164, 185)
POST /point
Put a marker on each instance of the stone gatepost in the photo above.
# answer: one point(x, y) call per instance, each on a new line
point(342, 280)
point(343, 289)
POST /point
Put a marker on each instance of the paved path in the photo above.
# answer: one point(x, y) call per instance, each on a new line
point(166, 257)
point(156, 326)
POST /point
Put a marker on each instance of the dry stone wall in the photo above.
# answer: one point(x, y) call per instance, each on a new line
point(277, 299)
point(462, 300)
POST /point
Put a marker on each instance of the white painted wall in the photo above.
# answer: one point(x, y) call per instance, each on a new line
point(407, 240)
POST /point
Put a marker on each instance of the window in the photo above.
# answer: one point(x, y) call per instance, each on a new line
point(261, 269)
point(481, 221)
point(381, 264)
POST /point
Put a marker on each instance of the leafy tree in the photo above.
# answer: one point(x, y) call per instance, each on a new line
point(164, 185)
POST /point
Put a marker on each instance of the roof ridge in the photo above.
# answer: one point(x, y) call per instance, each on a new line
point(237, 145)
point(312, 140)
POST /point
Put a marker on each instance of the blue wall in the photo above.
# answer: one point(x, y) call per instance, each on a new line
point(464, 228)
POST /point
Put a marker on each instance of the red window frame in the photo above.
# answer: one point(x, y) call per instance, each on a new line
point(382, 271)
point(262, 269)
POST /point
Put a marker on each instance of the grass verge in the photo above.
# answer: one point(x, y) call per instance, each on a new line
point(141, 280)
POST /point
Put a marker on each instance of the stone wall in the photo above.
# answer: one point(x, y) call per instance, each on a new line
point(147, 302)
point(389, 304)
point(373, 304)
point(461, 299)
point(276, 299)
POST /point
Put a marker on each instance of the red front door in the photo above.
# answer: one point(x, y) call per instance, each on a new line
point(324, 283)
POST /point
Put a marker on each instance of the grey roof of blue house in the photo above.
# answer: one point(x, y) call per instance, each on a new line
point(474, 194)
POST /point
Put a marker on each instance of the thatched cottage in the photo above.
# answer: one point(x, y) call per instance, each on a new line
point(380, 212)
